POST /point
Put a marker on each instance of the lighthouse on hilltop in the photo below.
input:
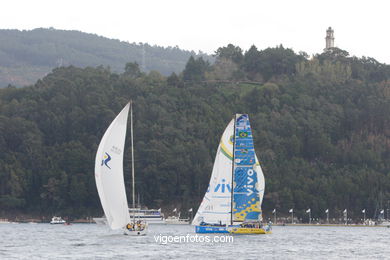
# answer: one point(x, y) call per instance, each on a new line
point(329, 39)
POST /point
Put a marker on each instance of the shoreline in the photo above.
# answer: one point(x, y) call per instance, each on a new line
point(89, 221)
point(44, 221)
point(329, 225)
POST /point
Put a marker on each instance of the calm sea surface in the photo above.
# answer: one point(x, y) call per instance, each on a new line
point(90, 241)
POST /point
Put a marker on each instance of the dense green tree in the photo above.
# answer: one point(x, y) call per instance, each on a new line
point(252, 62)
point(132, 70)
point(230, 52)
point(195, 69)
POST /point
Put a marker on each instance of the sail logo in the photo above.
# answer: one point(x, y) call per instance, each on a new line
point(243, 134)
point(209, 208)
point(249, 185)
point(106, 159)
point(222, 187)
point(116, 150)
point(243, 120)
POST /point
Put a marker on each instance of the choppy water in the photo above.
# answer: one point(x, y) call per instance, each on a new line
point(90, 241)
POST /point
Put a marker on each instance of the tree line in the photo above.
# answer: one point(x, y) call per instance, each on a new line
point(320, 127)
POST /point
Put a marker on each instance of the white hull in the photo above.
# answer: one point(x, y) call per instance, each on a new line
point(136, 232)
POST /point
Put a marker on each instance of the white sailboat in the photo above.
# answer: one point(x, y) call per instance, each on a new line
point(109, 176)
point(236, 208)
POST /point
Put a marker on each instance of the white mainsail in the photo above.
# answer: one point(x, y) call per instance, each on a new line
point(109, 172)
point(216, 204)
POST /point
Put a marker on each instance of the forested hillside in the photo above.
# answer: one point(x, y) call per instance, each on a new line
point(26, 56)
point(321, 128)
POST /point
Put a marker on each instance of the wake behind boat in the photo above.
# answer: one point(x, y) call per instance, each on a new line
point(236, 208)
point(109, 176)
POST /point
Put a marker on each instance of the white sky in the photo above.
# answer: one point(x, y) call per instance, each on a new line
point(360, 27)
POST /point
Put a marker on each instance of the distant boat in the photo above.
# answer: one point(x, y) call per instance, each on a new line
point(109, 176)
point(173, 220)
point(150, 216)
point(236, 208)
point(57, 220)
point(384, 224)
point(176, 220)
point(100, 221)
point(4, 221)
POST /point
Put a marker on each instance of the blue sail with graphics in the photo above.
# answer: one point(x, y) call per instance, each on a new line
point(247, 189)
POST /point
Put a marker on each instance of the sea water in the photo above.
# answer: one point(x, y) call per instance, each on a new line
point(91, 241)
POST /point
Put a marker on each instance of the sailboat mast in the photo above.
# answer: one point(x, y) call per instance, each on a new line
point(132, 152)
point(231, 199)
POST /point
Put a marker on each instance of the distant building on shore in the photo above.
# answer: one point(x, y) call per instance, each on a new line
point(329, 39)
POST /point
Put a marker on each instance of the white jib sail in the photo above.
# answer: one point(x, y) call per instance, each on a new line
point(216, 204)
point(109, 172)
point(260, 183)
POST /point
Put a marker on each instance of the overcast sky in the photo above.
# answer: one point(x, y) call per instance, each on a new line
point(360, 27)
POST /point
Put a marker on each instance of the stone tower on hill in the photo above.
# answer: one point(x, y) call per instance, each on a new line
point(329, 39)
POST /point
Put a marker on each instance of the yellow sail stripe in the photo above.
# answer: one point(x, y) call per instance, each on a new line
point(230, 140)
point(225, 151)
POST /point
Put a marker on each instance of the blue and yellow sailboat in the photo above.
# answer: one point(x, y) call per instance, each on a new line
point(236, 208)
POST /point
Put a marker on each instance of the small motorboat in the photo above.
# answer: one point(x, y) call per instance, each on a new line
point(57, 220)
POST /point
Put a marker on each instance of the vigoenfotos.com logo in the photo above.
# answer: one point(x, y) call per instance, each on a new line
point(165, 239)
